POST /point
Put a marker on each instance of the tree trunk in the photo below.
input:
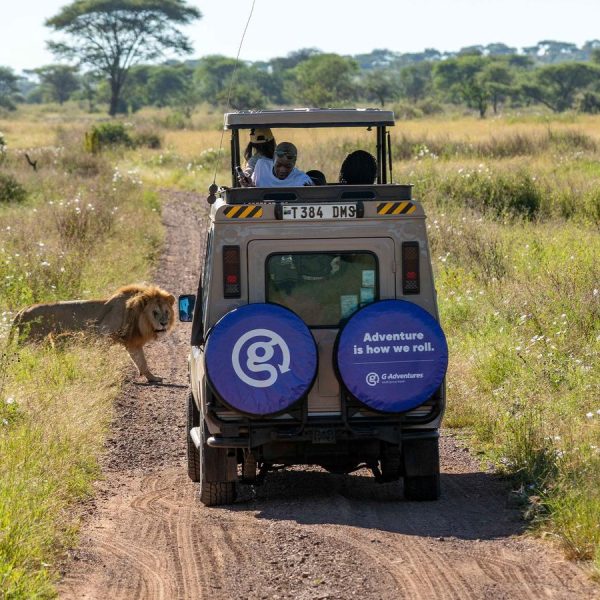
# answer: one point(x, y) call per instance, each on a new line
point(115, 97)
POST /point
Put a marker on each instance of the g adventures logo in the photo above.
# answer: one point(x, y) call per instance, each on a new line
point(259, 357)
point(372, 379)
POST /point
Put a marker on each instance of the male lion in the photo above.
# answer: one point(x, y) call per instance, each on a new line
point(133, 316)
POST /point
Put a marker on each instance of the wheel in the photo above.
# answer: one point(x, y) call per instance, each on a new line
point(391, 463)
point(218, 474)
point(249, 467)
point(421, 461)
point(193, 456)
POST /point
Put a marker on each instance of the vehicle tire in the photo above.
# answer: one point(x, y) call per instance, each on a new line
point(249, 468)
point(193, 455)
point(421, 461)
point(218, 474)
point(391, 464)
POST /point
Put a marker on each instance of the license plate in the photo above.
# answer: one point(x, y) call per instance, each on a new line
point(319, 211)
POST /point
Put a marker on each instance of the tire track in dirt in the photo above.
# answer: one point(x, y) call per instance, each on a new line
point(305, 534)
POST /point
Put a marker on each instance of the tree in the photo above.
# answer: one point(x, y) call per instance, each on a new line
point(112, 35)
point(498, 79)
point(380, 86)
point(556, 86)
point(325, 79)
point(215, 82)
point(461, 79)
point(9, 88)
point(415, 80)
point(166, 85)
point(58, 81)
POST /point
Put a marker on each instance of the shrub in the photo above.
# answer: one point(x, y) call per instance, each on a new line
point(407, 111)
point(2, 147)
point(147, 139)
point(107, 135)
point(10, 189)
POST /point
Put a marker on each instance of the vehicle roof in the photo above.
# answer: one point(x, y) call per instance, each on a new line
point(309, 117)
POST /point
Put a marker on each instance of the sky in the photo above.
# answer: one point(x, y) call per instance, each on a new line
point(278, 27)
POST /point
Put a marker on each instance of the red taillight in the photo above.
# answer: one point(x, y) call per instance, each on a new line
point(231, 272)
point(411, 283)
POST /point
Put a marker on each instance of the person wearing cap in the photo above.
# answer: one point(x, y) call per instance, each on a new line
point(281, 171)
point(261, 145)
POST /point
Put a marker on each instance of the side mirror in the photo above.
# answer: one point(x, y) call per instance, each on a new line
point(186, 305)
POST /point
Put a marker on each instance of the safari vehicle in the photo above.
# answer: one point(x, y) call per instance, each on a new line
point(315, 334)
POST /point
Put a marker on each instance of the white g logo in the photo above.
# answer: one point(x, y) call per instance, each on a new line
point(372, 379)
point(258, 355)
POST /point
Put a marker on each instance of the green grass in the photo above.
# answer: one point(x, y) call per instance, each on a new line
point(520, 304)
point(85, 227)
point(55, 408)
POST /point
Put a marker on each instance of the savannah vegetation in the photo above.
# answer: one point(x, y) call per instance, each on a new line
point(503, 147)
point(514, 218)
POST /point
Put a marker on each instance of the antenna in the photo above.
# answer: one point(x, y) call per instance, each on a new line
point(212, 190)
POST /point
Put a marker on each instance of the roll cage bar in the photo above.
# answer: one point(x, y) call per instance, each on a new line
point(308, 118)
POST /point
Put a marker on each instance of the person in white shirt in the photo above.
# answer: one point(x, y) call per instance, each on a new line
point(281, 171)
point(261, 145)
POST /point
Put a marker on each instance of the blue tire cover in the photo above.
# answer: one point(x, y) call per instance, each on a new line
point(392, 355)
point(260, 358)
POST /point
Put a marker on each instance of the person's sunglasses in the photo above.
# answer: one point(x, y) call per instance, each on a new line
point(288, 155)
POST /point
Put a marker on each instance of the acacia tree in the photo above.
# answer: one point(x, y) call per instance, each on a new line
point(325, 79)
point(110, 36)
point(58, 81)
point(9, 90)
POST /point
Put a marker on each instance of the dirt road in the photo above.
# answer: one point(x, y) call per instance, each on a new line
point(304, 534)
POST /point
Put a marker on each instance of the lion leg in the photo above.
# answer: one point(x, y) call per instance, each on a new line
point(138, 357)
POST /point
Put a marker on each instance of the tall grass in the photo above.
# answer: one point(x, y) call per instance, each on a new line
point(520, 304)
point(84, 227)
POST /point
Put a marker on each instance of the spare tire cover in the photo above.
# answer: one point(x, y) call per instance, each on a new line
point(260, 358)
point(391, 355)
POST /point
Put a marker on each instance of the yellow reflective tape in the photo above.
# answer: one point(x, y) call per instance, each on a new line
point(243, 212)
point(250, 212)
point(396, 208)
point(231, 211)
point(399, 208)
point(382, 209)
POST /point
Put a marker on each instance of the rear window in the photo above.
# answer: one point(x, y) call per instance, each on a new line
point(323, 288)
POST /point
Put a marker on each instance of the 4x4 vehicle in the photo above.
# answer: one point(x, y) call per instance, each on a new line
point(315, 334)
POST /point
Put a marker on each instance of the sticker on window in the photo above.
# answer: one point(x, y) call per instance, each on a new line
point(348, 305)
point(368, 278)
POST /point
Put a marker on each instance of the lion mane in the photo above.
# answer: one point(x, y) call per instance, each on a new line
point(133, 316)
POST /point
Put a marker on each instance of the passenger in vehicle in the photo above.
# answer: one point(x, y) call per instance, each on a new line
point(358, 168)
point(261, 145)
point(282, 170)
point(318, 177)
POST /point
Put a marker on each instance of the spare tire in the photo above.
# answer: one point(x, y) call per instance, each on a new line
point(391, 355)
point(260, 359)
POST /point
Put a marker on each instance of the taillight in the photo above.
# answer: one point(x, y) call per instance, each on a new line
point(231, 272)
point(411, 276)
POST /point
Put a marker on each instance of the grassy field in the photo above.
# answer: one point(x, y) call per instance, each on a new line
point(77, 227)
point(514, 218)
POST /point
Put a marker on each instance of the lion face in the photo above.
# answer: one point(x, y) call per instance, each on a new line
point(158, 315)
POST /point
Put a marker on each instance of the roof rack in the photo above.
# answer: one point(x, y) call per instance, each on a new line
point(309, 117)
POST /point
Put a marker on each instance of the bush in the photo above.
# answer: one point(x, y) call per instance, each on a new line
point(107, 135)
point(407, 111)
point(10, 189)
point(2, 147)
point(147, 139)
point(110, 135)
